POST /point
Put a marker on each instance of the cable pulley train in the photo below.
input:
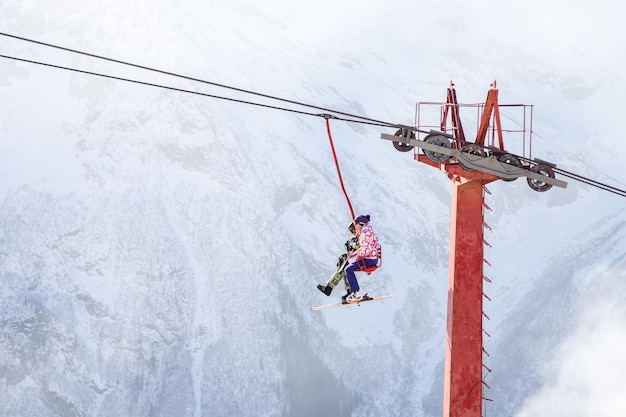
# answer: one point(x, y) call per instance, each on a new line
point(441, 147)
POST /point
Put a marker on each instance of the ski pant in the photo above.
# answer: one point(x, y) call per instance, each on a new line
point(356, 266)
point(339, 275)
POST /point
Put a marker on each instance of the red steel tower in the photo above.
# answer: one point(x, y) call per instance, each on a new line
point(470, 166)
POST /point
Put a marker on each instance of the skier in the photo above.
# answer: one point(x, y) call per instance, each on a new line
point(357, 258)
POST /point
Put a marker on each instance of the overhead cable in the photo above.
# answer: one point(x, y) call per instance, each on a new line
point(352, 118)
point(113, 77)
point(143, 67)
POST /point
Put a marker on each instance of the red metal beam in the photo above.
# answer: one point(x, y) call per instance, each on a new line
point(491, 108)
point(452, 108)
point(464, 344)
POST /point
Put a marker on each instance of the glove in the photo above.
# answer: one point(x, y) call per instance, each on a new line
point(352, 245)
point(341, 259)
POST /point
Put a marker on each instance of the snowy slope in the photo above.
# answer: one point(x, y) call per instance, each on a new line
point(159, 251)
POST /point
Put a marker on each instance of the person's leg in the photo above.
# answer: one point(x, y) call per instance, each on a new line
point(356, 266)
point(351, 276)
point(334, 280)
point(345, 281)
point(339, 273)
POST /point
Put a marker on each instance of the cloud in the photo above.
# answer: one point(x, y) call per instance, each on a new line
point(586, 378)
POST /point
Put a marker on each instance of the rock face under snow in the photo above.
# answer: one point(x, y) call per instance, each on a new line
point(159, 251)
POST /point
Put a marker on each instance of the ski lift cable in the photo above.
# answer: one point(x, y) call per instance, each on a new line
point(113, 77)
point(352, 118)
point(582, 161)
point(572, 175)
point(593, 183)
point(143, 67)
point(580, 178)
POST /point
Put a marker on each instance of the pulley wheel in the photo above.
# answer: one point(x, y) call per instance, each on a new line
point(400, 146)
point(472, 149)
point(507, 158)
point(540, 185)
point(438, 140)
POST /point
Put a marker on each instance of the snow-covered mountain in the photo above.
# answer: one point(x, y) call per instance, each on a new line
point(159, 251)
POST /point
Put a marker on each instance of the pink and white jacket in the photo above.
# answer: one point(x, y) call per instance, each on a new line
point(368, 244)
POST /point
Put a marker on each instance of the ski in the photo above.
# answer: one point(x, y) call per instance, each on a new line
point(364, 300)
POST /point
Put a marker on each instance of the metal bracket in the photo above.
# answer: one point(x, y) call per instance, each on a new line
point(487, 164)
